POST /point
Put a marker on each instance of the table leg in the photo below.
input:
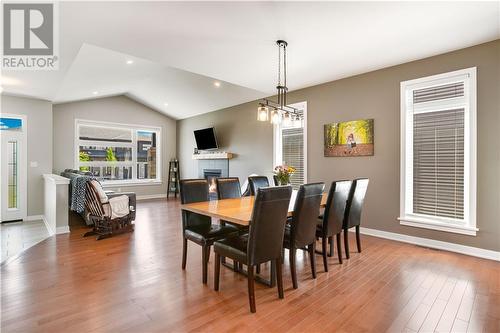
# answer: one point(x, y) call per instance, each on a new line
point(259, 278)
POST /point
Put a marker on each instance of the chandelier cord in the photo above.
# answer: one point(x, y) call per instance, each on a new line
point(279, 65)
point(284, 74)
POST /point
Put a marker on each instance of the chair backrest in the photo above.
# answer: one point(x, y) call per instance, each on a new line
point(228, 188)
point(256, 182)
point(336, 207)
point(305, 214)
point(353, 216)
point(92, 200)
point(194, 190)
point(267, 227)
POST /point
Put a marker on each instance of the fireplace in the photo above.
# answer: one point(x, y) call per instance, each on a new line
point(211, 175)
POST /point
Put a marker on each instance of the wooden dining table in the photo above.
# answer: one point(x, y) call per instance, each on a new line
point(239, 211)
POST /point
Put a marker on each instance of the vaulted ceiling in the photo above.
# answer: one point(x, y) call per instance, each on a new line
point(188, 58)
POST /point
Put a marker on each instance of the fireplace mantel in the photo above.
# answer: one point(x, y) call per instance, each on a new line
point(213, 156)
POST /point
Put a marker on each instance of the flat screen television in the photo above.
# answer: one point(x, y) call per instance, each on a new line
point(205, 139)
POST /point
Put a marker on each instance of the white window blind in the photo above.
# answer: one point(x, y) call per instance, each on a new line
point(438, 163)
point(290, 148)
point(438, 152)
point(293, 153)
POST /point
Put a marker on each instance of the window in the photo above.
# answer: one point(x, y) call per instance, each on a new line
point(438, 152)
point(290, 146)
point(118, 154)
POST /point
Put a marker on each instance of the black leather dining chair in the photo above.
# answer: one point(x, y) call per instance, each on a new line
point(228, 188)
point(199, 228)
point(353, 216)
point(333, 217)
point(256, 182)
point(263, 243)
point(300, 233)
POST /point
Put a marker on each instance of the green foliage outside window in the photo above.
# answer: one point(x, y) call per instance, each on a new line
point(84, 157)
point(110, 155)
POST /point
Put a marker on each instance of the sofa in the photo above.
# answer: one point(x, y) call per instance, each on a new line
point(77, 187)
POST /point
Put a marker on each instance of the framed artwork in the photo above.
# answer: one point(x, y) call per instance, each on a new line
point(349, 138)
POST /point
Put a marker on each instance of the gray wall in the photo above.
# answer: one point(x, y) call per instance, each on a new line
point(39, 135)
point(119, 109)
point(371, 95)
point(239, 132)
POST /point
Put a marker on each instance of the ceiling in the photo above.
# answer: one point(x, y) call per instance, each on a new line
point(179, 50)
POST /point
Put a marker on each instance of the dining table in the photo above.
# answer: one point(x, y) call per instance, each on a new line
point(239, 211)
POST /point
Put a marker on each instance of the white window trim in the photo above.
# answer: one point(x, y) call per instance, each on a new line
point(470, 158)
point(130, 182)
point(277, 153)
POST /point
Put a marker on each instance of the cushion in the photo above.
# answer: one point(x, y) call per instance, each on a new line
point(119, 206)
point(100, 192)
point(233, 248)
point(209, 233)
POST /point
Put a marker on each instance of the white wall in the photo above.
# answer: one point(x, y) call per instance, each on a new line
point(39, 135)
point(119, 109)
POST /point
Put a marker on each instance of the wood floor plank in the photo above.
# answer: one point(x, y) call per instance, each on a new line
point(450, 312)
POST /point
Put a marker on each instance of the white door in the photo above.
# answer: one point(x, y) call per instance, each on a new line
point(13, 171)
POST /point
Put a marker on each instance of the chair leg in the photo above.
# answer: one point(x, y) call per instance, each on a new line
point(346, 242)
point(279, 275)
point(358, 239)
point(330, 241)
point(236, 266)
point(184, 252)
point(217, 271)
point(312, 255)
point(339, 248)
point(251, 289)
point(292, 253)
point(204, 263)
point(323, 253)
point(207, 258)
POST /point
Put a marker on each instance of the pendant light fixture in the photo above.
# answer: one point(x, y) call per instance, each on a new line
point(280, 111)
point(262, 113)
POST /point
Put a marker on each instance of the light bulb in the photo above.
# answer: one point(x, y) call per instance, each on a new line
point(287, 120)
point(262, 113)
point(275, 117)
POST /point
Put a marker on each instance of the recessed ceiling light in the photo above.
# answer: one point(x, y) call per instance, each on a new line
point(95, 92)
point(217, 83)
point(130, 62)
point(166, 104)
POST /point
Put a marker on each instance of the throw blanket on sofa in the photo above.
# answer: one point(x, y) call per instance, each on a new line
point(78, 193)
point(119, 206)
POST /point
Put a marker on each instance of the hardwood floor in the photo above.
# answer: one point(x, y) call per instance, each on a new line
point(16, 237)
point(134, 282)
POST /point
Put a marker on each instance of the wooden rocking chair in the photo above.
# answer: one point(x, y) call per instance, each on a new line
point(104, 226)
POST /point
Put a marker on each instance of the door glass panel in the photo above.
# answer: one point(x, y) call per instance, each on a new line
point(13, 173)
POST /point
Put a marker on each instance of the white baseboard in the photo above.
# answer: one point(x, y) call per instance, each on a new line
point(51, 231)
point(435, 244)
point(152, 196)
point(33, 218)
point(62, 230)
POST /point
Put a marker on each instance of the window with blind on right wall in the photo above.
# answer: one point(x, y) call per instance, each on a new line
point(438, 152)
